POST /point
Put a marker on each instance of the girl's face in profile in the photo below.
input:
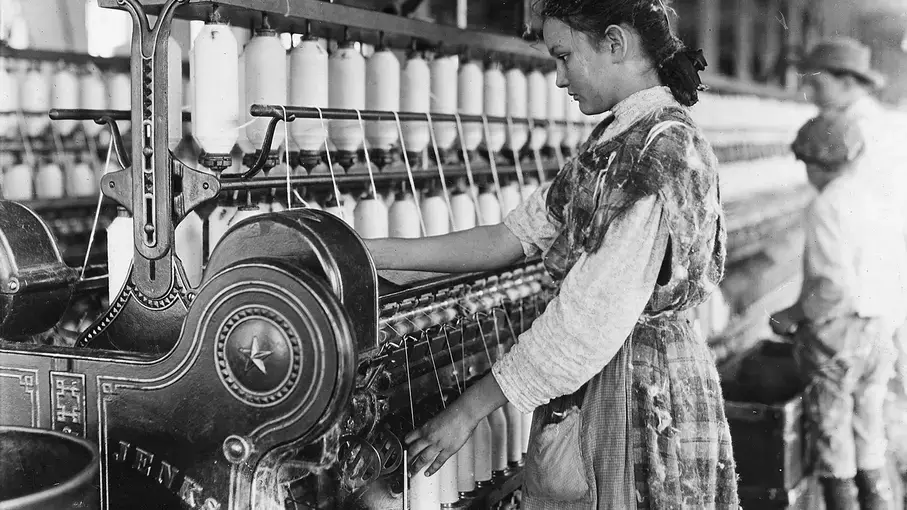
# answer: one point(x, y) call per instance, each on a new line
point(584, 66)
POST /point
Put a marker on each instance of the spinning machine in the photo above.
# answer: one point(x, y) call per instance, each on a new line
point(251, 355)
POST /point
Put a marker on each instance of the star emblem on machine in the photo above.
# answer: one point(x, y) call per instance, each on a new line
point(257, 354)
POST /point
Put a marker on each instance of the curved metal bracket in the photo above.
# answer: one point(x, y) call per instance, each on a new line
point(265, 147)
point(140, 23)
point(137, 12)
point(117, 139)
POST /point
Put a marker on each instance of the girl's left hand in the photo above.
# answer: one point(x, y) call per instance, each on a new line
point(440, 438)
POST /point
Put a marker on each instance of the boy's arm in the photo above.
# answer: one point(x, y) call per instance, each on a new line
point(824, 269)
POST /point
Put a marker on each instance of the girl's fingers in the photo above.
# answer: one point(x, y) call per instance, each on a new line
point(439, 461)
point(412, 436)
point(426, 457)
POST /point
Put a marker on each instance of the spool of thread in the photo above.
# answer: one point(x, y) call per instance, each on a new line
point(64, 88)
point(510, 198)
point(215, 62)
point(347, 79)
point(415, 96)
point(489, 207)
point(349, 203)
point(371, 218)
point(309, 87)
point(499, 444)
point(81, 180)
point(18, 183)
point(529, 187)
point(514, 434)
point(35, 97)
point(9, 98)
point(464, 210)
point(435, 214)
point(483, 452)
point(495, 105)
point(49, 181)
point(404, 217)
point(449, 495)
point(471, 101)
point(444, 79)
point(424, 491)
point(266, 80)
point(466, 467)
point(382, 92)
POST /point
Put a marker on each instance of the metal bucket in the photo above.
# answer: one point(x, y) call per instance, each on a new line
point(47, 470)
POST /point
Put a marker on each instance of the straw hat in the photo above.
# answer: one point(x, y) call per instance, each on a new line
point(843, 54)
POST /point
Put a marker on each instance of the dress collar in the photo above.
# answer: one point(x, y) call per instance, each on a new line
point(636, 106)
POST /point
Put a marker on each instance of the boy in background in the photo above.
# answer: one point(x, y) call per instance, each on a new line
point(851, 302)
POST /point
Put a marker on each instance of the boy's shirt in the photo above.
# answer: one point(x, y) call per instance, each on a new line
point(855, 257)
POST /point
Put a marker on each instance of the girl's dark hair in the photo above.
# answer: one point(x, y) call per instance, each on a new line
point(678, 67)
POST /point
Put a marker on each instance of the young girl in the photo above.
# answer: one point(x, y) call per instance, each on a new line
point(628, 410)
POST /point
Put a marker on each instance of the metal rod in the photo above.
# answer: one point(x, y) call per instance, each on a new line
point(277, 111)
point(236, 184)
point(86, 114)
